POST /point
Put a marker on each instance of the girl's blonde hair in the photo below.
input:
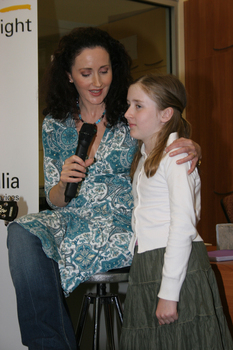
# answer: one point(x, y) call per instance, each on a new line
point(166, 91)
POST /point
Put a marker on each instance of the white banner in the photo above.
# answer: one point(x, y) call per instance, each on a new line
point(18, 138)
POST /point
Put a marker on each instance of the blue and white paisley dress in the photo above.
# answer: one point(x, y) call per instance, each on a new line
point(92, 233)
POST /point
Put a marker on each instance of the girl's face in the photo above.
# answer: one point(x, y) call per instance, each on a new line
point(143, 116)
point(91, 74)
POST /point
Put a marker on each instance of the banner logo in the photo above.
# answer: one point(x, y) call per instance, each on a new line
point(16, 7)
point(17, 26)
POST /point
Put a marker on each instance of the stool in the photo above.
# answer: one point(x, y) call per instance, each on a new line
point(102, 298)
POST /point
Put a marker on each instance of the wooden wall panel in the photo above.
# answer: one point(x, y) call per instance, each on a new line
point(222, 21)
point(199, 25)
point(209, 84)
point(200, 114)
point(223, 132)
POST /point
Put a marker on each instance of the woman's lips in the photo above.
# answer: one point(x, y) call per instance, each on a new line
point(96, 92)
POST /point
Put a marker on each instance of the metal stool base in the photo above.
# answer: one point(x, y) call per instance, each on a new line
point(98, 299)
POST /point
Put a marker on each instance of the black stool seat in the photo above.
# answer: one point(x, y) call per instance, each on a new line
point(111, 276)
point(101, 297)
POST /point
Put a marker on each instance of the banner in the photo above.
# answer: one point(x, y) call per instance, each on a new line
point(18, 138)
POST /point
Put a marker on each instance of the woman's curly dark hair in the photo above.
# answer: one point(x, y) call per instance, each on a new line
point(61, 95)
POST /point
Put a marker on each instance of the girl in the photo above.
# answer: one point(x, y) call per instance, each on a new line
point(172, 300)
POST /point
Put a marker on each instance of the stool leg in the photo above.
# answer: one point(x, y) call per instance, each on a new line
point(117, 302)
point(109, 323)
point(82, 318)
point(97, 309)
point(101, 297)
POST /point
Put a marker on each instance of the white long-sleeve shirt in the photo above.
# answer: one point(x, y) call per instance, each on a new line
point(166, 211)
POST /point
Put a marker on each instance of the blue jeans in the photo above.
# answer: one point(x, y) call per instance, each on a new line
point(43, 317)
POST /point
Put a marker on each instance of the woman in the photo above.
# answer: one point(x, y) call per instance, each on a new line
point(87, 83)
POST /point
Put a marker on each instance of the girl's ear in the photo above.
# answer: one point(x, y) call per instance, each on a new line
point(167, 114)
point(70, 77)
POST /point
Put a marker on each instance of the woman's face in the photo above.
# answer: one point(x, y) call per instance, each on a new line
point(91, 74)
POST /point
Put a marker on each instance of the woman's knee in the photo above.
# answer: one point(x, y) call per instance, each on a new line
point(16, 235)
point(24, 250)
point(21, 244)
point(12, 235)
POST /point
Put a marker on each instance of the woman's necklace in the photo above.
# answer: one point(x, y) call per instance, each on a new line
point(98, 121)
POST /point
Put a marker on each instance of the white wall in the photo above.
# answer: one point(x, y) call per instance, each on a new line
point(18, 137)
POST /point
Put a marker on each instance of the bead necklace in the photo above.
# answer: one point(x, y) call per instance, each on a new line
point(98, 121)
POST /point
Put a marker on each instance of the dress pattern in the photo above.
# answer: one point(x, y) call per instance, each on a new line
point(92, 233)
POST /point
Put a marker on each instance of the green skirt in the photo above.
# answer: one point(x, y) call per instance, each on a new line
point(201, 323)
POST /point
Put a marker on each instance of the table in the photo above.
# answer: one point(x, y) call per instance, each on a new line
point(224, 275)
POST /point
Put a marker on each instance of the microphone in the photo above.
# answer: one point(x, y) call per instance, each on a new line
point(86, 134)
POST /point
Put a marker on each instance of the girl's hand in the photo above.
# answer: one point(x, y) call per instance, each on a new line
point(186, 146)
point(166, 311)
